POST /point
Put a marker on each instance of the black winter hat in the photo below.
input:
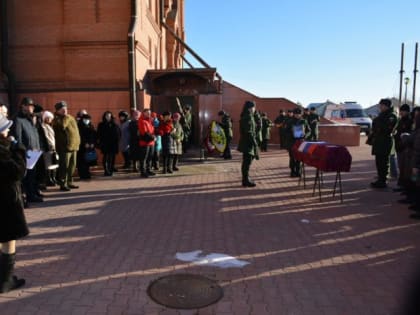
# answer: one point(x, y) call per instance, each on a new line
point(123, 113)
point(167, 113)
point(297, 111)
point(27, 101)
point(249, 104)
point(38, 108)
point(405, 108)
point(60, 105)
point(221, 113)
point(385, 101)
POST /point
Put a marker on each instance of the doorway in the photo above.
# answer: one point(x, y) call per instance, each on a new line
point(161, 103)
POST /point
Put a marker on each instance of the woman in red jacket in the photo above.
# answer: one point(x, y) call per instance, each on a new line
point(146, 143)
point(165, 130)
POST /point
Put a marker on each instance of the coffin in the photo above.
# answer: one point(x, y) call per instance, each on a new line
point(323, 156)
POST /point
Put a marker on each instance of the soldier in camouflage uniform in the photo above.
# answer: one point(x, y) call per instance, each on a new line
point(286, 130)
point(297, 128)
point(382, 141)
point(258, 127)
point(279, 122)
point(404, 128)
point(267, 124)
point(248, 141)
point(313, 120)
point(305, 114)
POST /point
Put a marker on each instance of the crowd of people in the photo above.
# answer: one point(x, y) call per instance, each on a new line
point(395, 144)
point(150, 142)
point(39, 149)
point(146, 141)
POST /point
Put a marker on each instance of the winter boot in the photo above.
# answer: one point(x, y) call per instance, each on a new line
point(7, 280)
point(247, 182)
point(169, 164)
point(175, 163)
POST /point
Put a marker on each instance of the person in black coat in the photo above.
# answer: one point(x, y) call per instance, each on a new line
point(25, 131)
point(87, 143)
point(12, 219)
point(108, 138)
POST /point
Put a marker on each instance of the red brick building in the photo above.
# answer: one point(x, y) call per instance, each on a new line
point(112, 55)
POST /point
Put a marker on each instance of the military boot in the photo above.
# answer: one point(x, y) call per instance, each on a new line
point(247, 182)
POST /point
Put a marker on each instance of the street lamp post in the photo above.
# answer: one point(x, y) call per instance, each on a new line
point(406, 81)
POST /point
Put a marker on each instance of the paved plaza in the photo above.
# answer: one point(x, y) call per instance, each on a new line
point(96, 249)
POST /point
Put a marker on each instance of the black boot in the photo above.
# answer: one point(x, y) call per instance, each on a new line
point(51, 180)
point(7, 280)
point(175, 163)
point(247, 182)
point(150, 173)
point(169, 164)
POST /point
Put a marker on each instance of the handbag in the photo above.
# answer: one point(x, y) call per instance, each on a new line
point(91, 157)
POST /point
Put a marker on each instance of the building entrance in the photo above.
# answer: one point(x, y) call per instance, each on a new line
point(175, 104)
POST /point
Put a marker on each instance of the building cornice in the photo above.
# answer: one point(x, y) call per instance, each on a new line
point(94, 44)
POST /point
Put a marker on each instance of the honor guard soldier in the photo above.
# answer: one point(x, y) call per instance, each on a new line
point(248, 141)
point(267, 124)
point(382, 141)
point(305, 114)
point(404, 128)
point(313, 120)
point(297, 129)
point(279, 123)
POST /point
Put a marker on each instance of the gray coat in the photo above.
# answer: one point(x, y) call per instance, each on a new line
point(25, 132)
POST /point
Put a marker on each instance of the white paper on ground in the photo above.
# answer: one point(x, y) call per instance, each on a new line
point(213, 259)
point(189, 256)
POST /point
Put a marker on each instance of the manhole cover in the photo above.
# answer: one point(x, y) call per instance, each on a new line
point(185, 291)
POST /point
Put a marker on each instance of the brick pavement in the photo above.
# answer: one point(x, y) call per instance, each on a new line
point(96, 249)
